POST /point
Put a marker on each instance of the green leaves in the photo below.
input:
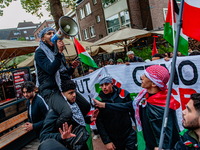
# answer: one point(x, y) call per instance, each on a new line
point(35, 6)
point(4, 4)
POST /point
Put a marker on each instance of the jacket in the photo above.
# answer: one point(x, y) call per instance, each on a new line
point(51, 131)
point(151, 116)
point(136, 59)
point(188, 141)
point(37, 112)
point(114, 125)
point(46, 70)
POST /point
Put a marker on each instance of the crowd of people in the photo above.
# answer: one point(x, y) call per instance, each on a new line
point(58, 113)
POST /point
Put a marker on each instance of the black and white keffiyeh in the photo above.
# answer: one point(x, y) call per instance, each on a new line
point(51, 56)
point(77, 114)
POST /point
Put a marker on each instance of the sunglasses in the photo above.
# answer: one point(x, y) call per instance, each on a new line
point(49, 33)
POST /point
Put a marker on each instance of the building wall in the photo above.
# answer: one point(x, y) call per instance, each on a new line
point(146, 14)
point(23, 32)
point(135, 13)
point(115, 8)
point(42, 26)
point(157, 13)
point(90, 20)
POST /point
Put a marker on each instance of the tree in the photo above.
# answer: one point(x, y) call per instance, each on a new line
point(34, 7)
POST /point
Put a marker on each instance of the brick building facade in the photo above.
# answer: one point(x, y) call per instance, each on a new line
point(91, 20)
point(23, 32)
point(46, 23)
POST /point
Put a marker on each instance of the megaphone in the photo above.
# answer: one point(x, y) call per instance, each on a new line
point(67, 27)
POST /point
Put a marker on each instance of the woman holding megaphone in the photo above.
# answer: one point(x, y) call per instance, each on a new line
point(51, 69)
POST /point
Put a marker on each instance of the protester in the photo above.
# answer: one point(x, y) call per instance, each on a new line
point(51, 69)
point(133, 58)
point(119, 61)
point(91, 70)
point(149, 111)
point(147, 61)
point(157, 56)
point(190, 51)
point(190, 136)
point(195, 52)
point(115, 128)
point(36, 106)
point(167, 54)
point(111, 62)
point(79, 116)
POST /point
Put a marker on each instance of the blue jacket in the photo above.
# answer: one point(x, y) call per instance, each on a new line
point(37, 112)
point(46, 70)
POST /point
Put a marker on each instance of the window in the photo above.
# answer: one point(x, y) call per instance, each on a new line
point(87, 9)
point(85, 34)
point(113, 23)
point(27, 38)
point(92, 32)
point(94, 2)
point(82, 13)
point(16, 32)
point(25, 32)
point(35, 36)
point(106, 3)
point(32, 37)
point(98, 19)
point(117, 21)
point(100, 36)
point(165, 13)
point(125, 19)
point(13, 39)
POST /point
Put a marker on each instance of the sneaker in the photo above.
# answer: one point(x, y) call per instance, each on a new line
point(95, 137)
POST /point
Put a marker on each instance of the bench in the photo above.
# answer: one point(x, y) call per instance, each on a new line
point(11, 139)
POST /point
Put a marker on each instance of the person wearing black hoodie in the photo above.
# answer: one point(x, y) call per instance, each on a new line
point(50, 129)
point(51, 69)
point(115, 128)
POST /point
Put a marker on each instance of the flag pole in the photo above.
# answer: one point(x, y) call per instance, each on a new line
point(165, 117)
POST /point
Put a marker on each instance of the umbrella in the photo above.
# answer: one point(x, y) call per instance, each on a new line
point(29, 62)
point(10, 49)
point(93, 51)
point(122, 37)
point(71, 52)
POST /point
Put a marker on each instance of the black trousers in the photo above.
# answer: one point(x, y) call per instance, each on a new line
point(128, 143)
point(56, 102)
point(51, 144)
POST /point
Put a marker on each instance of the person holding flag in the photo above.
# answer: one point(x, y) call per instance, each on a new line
point(149, 110)
point(83, 54)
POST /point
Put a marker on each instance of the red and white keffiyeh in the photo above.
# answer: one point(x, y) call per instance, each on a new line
point(158, 75)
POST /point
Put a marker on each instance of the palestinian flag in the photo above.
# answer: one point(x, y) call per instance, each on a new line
point(171, 26)
point(155, 51)
point(83, 54)
point(191, 21)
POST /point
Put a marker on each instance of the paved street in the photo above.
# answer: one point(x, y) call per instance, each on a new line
point(33, 145)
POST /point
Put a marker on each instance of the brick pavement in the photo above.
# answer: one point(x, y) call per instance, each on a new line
point(33, 145)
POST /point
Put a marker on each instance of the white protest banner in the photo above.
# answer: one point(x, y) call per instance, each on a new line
point(186, 80)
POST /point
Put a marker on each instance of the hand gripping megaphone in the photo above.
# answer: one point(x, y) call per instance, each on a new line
point(67, 27)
